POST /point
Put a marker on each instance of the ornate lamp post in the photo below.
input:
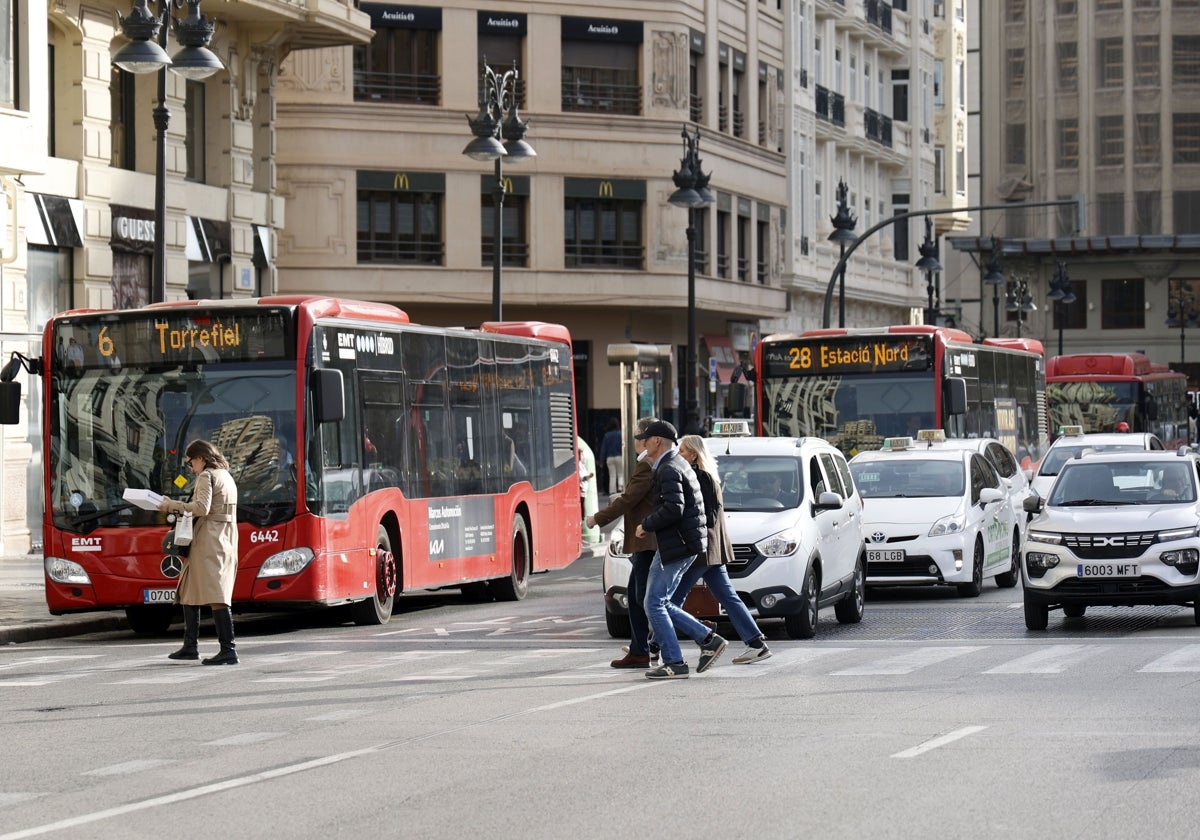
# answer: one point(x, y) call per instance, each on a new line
point(1181, 312)
point(691, 183)
point(1018, 299)
point(843, 235)
point(498, 118)
point(930, 265)
point(994, 277)
point(146, 52)
point(1063, 296)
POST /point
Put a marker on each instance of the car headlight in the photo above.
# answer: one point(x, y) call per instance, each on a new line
point(1186, 560)
point(953, 524)
point(1044, 537)
point(289, 562)
point(61, 570)
point(1037, 563)
point(1177, 534)
point(778, 545)
point(616, 545)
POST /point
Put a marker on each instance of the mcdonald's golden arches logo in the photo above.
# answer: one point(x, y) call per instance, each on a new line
point(400, 182)
point(606, 189)
point(507, 183)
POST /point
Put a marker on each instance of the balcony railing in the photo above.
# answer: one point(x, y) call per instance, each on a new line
point(831, 106)
point(723, 265)
point(877, 127)
point(723, 118)
point(696, 108)
point(605, 98)
point(879, 14)
point(515, 254)
point(399, 253)
point(406, 88)
point(590, 255)
point(739, 124)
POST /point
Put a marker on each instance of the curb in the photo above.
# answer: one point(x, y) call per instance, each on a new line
point(22, 633)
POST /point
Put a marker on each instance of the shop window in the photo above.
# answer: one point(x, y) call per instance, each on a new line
point(603, 233)
point(400, 227)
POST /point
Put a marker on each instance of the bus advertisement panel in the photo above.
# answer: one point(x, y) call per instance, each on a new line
point(855, 387)
point(372, 456)
point(1099, 390)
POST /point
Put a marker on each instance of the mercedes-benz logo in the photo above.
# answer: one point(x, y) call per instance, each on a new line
point(878, 537)
point(171, 566)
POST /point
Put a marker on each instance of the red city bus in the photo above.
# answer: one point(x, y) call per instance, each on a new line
point(373, 456)
point(854, 387)
point(1099, 390)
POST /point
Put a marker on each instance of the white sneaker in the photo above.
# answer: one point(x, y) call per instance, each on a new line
point(751, 654)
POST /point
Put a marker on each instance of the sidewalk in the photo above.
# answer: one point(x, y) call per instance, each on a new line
point(25, 618)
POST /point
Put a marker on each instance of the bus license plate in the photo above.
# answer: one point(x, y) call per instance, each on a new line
point(889, 555)
point(1106, 570)
point(158, 596)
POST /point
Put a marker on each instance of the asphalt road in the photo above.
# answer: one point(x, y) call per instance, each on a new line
point(937, 716)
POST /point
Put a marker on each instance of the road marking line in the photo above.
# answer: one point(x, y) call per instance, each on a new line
point(135, 766)
point(779, 659)
point(292, 769)
point(340, 714)
point(906, 663)
point(1053, 660)
point(244, 738)
point(932, 743)
point(1184, 660)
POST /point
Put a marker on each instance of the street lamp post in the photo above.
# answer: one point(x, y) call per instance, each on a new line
point(1019, 300)
point(498, 118)
point(930, 265)
point(1063, 296)
point(994, 277)
point(1182, 313)
point(843, 235)
point(146, 52)
point(691, 191)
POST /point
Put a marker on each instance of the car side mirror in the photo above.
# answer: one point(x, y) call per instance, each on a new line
point(988, 495)
point(1033, 503)
point(828, 501)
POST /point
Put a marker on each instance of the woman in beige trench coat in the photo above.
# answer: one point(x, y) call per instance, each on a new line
point(211, 566)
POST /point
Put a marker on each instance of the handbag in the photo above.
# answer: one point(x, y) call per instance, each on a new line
point(183, 530)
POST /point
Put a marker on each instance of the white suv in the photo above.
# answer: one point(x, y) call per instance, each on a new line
point(793, 515)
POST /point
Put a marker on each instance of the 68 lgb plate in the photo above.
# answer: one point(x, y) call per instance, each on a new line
point(885, 555)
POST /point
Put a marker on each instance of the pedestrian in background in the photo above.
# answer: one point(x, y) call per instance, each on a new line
point(588, 500)
point(711, 566)
point(211, 566)
point(634, 504)
point(610, 456)
point(678, 523)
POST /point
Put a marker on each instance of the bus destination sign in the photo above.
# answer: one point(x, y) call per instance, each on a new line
point(839, 355)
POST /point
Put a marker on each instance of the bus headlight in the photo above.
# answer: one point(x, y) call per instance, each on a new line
point(61, 570)
point(290, 562)
point(778, 545)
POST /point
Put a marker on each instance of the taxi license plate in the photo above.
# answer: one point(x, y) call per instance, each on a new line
point(158, 596)
point(890, 555)
point(1106, 570)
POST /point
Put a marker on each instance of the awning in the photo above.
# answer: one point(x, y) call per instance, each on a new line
point(53, 220)
point(720, 350)
point(207, 240)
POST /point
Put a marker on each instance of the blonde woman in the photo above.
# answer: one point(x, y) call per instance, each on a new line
point(710, 567)
point(211, 566)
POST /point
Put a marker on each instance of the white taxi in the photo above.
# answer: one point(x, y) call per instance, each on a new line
point(1012, 478)
point(1072, 440)
point(792, 514)
point(934, 515)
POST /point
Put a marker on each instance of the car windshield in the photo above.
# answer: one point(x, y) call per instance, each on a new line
point(760, 482)
point(1086, 482)
point(1059, 455)
point(908, 478)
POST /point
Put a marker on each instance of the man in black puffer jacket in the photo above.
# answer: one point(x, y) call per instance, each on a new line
point(678, 523)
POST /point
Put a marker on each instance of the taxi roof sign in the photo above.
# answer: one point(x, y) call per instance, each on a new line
point(1070, 431)
point(898, 444)
point(731, 428)
point(932, 435)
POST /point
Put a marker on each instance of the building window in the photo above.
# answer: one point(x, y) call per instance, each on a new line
point(1014, 10)
point(939, 170)
point(1014, 144)
point(1110, 141)
point(1015, 71)
point(739, 94)
point(1145, 61)
point(1068, 143)
point(1122, 304)
point(762, 243)
point(400, 227)
point(1066, 8)
point(1110, 59)
point(900, 95)
point(1186, 137)
point(960, 84)
point(602, 233)
point(939, 87)
point(1071, 316)
point(1068, 65)
point(194, 137)
point(399, 65)
point(601, 76)
point(723, 228)
point(700, 244)
point(1147, 146)
point(9, 54)
point(960, 171)
point(1185, 211)
point(514, 224)
point(1108, 5)
point(1185, 62)
point(1147, 213)
point(123, 124)
point(503, 49)
point(853, 92)
point(1110, 214)
point(900, 236)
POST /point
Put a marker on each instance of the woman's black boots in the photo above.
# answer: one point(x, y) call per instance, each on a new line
point(191, 635)
point(223, 620)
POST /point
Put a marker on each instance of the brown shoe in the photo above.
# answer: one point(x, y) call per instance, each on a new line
point(629, 660)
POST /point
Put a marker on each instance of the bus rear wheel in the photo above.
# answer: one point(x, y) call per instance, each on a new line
point(378, 608)
point(515, 586)
point(150, 621)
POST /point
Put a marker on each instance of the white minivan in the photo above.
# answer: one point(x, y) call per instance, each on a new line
point(793, 516)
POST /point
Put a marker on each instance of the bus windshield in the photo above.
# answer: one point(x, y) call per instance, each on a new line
point(128, 426)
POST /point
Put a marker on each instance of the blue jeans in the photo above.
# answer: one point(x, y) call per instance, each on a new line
point(717, 579)
point(664, 615)
point(639, 625)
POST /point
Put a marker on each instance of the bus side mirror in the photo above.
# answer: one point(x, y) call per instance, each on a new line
point(10, 403)
point(954, 396)
point(328, 395)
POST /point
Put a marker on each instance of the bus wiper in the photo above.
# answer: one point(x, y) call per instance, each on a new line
point(91, 516)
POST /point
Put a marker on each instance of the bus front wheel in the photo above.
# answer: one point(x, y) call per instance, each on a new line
point(378, 608)
point(515, 586)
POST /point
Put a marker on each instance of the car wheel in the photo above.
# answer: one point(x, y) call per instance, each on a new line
point(1037, 614)
point(849, 610)
point(972, 589)
point(1009, 579)
point(1196, 612)
point(618, 625)
point(1074, 610)
point(803, 625)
